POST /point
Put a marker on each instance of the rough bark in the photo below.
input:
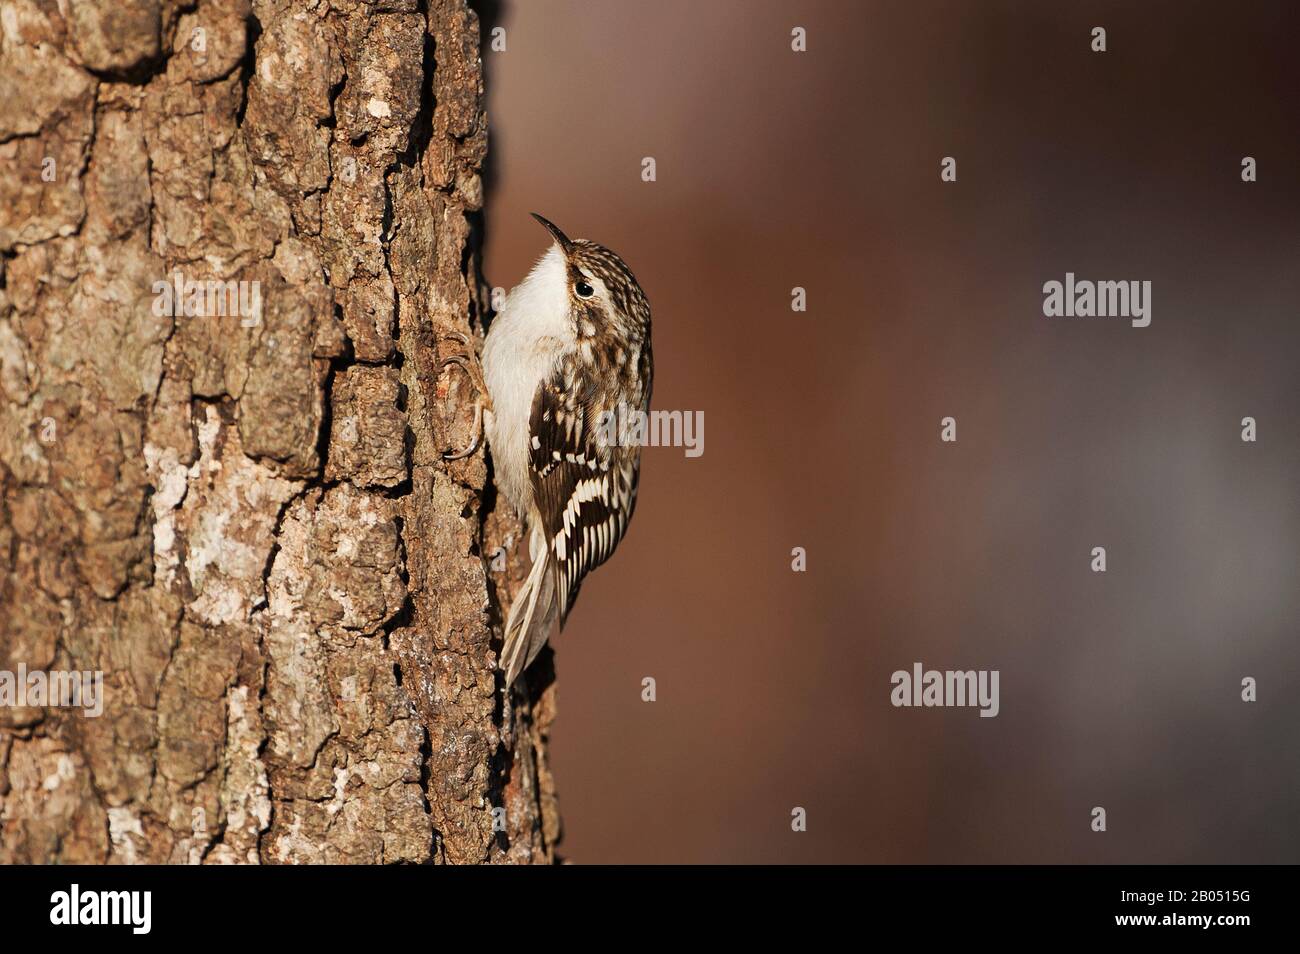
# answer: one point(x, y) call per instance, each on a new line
point(246, 524)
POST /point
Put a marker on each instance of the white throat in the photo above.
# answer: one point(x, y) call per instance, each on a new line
point(527, 338)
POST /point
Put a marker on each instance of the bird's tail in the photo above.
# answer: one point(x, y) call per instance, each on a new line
point(533, 614)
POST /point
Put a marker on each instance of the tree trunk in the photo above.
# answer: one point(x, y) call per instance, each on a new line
point(241, 517)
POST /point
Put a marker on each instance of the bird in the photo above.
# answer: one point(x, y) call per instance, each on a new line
point(565, 358)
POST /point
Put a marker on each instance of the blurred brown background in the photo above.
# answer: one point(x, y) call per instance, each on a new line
point(821, 169)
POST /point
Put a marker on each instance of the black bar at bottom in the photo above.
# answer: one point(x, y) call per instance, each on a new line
point(333, 904)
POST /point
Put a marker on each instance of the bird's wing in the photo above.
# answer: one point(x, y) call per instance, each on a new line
point(584, 488)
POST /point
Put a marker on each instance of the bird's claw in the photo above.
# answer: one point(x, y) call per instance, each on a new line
point(474, 371)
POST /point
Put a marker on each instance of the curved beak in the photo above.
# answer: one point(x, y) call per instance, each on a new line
point(560, 237)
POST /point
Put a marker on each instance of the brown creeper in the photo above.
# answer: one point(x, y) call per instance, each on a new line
point(568, 353)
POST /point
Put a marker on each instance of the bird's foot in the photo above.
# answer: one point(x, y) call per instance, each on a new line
point(473, 368)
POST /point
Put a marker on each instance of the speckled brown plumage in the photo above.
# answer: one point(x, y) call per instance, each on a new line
point(572, 343)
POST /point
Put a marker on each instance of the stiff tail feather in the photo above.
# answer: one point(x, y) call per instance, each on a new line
point(532, 617)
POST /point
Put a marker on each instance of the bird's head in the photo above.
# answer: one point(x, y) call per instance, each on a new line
point(602, 292)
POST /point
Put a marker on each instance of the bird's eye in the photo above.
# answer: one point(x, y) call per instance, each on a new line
point(584, 290)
